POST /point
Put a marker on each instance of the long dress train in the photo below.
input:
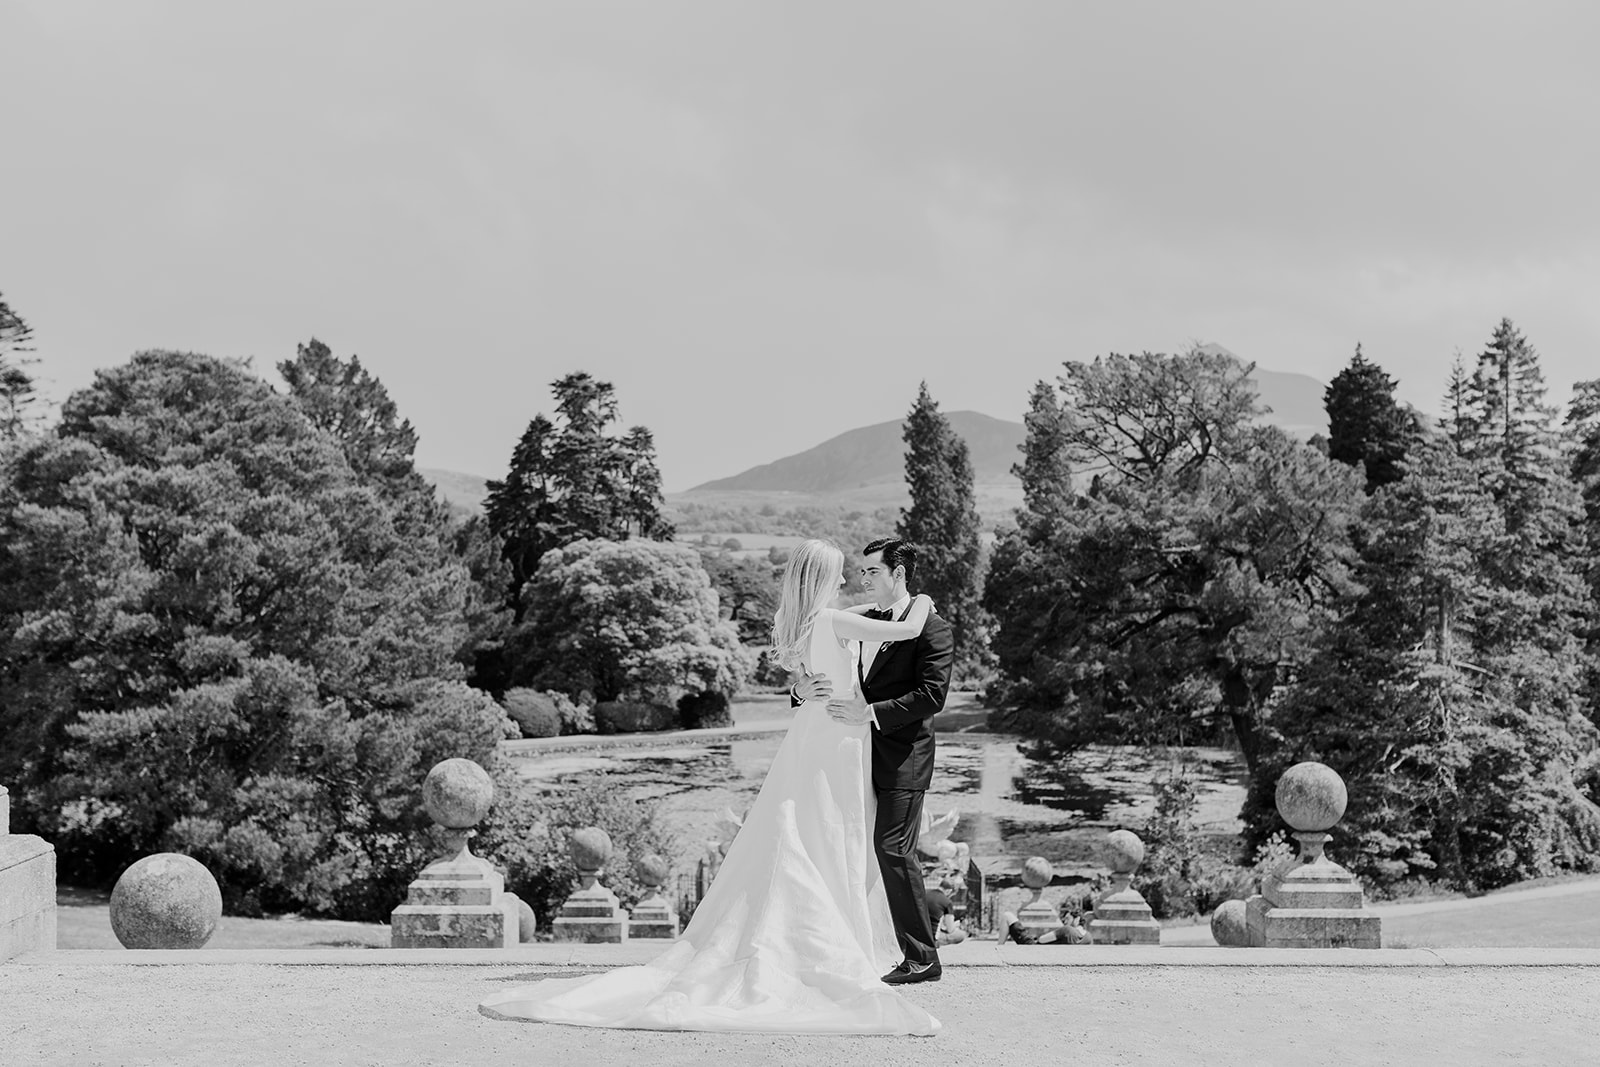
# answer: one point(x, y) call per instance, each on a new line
point(794, 933)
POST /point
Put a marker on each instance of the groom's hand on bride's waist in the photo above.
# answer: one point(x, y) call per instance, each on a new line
point(851, 709)
point(811, 687)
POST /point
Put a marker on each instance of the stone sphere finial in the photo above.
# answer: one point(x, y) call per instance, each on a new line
point(590, 848)
point(1037, 873)
point(652, 870)
point(457, 794)
point(1311, 797)
point(167, 900)
point(1123, 851)
point(1230, 925)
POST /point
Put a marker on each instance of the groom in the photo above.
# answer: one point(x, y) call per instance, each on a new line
point(901, 687)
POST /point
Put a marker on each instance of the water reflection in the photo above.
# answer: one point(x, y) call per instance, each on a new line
point(1011, 806)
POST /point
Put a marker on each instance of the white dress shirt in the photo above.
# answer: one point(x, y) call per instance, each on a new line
point(869, 650)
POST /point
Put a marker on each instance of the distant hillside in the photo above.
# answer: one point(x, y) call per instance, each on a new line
point(875, 455)
point(463, 492)
point(865, 468)
point(868, 464)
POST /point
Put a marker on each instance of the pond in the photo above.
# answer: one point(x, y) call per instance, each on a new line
point(1011, 807)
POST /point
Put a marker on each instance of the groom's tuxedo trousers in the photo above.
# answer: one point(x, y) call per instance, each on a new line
point(906, 685)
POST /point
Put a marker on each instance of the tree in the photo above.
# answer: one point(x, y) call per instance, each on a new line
point(18, 390)
point(1510, 420)
point(214, 637)
point(1169, 602)
point(353, 407)
point(748, 590)
point(348, 403)
point(571, 480)
point(631, 620)
point(1583, 441)
point(1046, 469)
point(1366, 428)
point(1438, 699)
point(942, 522)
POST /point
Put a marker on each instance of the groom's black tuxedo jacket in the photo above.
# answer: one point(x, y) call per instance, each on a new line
point(907, 686)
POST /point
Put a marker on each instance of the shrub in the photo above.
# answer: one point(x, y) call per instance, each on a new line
point(535, 713)
point(633, 716)
point(1177, 877)
point(528, 838)
point(577, 716)
point(699, 710)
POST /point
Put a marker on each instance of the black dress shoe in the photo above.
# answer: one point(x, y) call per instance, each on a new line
point(908, 973)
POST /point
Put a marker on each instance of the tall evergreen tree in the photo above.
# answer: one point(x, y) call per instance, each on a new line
point(574, 479)
point(344, 400)
point(18, 390)
point(1583, 443)
point(1444, 697)
point(942, 521)
point(1045, 470)
point(1511, 419)
point(1366, 428)
point(1458, 425)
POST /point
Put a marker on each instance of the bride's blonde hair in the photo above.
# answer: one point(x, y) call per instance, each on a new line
point(810, 582)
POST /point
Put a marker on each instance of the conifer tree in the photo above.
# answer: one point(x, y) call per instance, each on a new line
point(1045, 470)
point(1366, 428)
point(345, 400)
point(942, 522)
point(1511, 419)
point(18, 390)
point(571, 478)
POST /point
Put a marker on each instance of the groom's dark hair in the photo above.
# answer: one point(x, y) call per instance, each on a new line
point(896, 553)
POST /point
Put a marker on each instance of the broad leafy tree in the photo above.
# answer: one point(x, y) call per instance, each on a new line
point(214, 637)
point(1168, 602)
point(942, 522)
point(628, 620)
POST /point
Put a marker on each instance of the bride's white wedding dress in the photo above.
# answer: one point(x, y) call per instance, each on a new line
point(794, 934)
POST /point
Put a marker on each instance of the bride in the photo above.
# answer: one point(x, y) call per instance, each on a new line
point(794, 932)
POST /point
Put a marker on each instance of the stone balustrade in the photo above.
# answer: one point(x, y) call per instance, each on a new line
point(27, 889)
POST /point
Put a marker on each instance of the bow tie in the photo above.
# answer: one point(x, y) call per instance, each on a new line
point(880, 613)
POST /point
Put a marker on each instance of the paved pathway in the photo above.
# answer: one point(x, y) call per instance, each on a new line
point(999, 1005)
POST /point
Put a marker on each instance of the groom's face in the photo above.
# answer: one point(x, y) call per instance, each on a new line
point(882, 584)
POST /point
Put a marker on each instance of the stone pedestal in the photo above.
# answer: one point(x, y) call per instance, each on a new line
point(27, 889)
point(1121, 916)
point(1311, 902)
point(1038, 915)
point(459, 900)
point(593, 913)
point(653, 918)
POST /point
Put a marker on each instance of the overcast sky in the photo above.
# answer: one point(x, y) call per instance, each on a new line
point(765, 222)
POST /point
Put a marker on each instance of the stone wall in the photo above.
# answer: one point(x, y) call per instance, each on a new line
point(27, 889)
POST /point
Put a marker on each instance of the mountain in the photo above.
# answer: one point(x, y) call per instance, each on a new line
point(859, 461)
point(464, 493)
point(875, 455)
point(865, 467)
